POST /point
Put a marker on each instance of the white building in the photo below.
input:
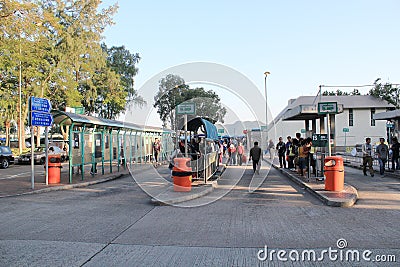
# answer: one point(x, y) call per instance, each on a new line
point(355, 115)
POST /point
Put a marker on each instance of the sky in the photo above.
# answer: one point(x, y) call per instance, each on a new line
point(303, 44)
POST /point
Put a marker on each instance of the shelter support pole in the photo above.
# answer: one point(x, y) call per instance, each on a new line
point(71, 145)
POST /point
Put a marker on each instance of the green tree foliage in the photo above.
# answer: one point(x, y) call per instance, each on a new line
point(340, 92)
point(123, 62)
point(173, 91)
point(56, 45)
point(387, 92)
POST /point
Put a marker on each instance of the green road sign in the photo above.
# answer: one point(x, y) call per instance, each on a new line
point(221, 131)
point(319, 140)
point(186, 108)
point(303, 131)
point(327, 108)
point(346, 130)
point(79, 110)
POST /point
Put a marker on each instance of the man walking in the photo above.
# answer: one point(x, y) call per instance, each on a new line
point(281, 148)
point(255, 154)
point(383, 154)
point(367, 157)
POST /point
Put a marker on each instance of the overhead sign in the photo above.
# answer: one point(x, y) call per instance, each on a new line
point(40, 104)
point(346, 130)
point(186, 108)
point(327, 108)
point(41, 119)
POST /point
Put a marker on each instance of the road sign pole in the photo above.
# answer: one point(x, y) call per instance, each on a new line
point(186, 152)
point(46, 138)
point(345, 144)
point(32, 159)
point(328, 122)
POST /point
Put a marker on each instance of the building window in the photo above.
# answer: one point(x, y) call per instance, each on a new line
point(351, 116)
point(372, 116)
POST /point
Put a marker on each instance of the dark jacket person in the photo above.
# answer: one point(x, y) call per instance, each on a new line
point(255, 154)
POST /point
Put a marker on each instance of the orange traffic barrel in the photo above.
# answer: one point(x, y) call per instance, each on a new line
point(334, 173)
point(54, 163)
point(182, 175)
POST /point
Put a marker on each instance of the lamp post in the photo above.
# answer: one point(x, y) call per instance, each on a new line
point(266, 105)
point(20, 99)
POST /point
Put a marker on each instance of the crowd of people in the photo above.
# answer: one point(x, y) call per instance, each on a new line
point(295, 154)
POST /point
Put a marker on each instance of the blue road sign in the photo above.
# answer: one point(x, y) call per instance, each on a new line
point(40, 104)
point(41, 119)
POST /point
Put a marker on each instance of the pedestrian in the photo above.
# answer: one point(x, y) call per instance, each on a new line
point(156, 149)
point(240, 152)
point(395, 153)
point(367, 157)
point(281, 148)
point(270, 149)
point(382, 151)
point(294, 153)
point(232, 154)
point(255, 156)
point(304, 150)
point(289, 153)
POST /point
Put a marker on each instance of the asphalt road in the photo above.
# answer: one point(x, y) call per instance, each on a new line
point(114, 224)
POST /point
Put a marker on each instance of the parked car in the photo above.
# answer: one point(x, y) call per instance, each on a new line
point(39, 155)
point(6, 157)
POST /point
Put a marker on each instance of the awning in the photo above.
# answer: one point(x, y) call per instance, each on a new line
point(389, 115)
point(209, 129)
point(67, 118)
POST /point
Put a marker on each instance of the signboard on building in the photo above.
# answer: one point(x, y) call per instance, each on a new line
point(327, 108)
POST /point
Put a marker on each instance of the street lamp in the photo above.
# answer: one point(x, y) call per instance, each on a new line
point(266, 105)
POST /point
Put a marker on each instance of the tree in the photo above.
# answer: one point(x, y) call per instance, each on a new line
point(173, 91)
point(340, 92)
point(387, 92)
point(168, 97)
point(123, 62)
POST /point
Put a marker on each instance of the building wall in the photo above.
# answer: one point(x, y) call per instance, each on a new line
point(357, 133)
point(361, 127)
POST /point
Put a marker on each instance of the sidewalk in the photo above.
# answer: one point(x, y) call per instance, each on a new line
point(345, 198)
point(358, 165)
point(20, 183)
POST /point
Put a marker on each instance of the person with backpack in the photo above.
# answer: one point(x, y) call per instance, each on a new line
point(281, 148)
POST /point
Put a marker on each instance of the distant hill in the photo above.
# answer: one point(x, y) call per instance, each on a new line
point(237, 127)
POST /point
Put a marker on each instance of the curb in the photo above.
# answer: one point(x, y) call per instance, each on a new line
point(333, 202)
point(69, 186)
point(167, 198)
